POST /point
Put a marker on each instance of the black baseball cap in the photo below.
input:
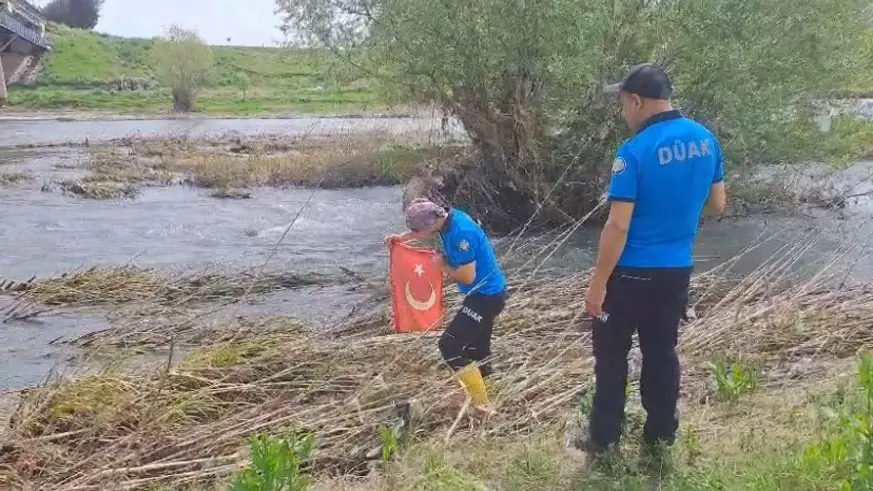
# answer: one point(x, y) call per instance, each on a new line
point(645, 80)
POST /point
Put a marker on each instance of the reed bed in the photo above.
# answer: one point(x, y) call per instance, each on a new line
point(189, 422)
point(121, 284)
point(13, 178)
point(96, 189)
point(151, 291)
point(337, 161)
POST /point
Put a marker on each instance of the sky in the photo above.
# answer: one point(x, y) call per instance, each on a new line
point(245, 22)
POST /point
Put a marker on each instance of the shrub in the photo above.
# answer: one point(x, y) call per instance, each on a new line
point(241, 82)
point(182, 61)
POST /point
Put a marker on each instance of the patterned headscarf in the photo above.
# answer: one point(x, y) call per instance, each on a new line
point(421, 214)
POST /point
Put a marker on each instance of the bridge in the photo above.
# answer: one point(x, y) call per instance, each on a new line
point(22, 42)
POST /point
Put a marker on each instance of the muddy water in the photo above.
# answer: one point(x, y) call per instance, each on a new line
point(177, 228)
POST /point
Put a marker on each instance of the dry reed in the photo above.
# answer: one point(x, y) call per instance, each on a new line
point(90, 189)
point(12, 178)
point(332, 162)
point(121, 284)
point(188, 423)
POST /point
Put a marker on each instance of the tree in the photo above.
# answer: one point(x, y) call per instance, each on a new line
point(81, 14)
point(182, 61)
point(524, 78)
point(241, 81)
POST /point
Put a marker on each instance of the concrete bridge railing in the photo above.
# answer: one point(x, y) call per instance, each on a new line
point(10, 23)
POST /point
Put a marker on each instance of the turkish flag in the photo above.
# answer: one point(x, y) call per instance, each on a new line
point(416, 289)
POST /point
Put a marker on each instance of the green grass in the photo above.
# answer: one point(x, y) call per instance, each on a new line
point(211, 101)
point(85, 71)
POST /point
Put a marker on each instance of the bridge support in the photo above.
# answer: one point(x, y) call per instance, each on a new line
point(22, 42)
point(13, 68)
point(4, 97)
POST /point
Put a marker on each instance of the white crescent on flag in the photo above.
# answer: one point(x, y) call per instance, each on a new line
point(419, 305)
point(412, 301)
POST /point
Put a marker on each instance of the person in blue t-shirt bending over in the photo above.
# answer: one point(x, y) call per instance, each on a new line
point(663, 178)
point(470, 260)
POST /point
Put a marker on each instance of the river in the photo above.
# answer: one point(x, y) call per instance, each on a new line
point(177, 228)
point(52, 132)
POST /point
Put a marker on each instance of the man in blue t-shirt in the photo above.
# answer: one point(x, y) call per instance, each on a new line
point(470, 260)
point(663, 178)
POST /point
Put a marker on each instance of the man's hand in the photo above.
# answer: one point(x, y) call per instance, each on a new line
point(595, 297)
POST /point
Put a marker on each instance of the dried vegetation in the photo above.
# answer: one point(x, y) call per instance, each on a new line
point(188, 423)
point(230, 165)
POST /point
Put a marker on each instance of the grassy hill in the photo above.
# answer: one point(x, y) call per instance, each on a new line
point(91, 71)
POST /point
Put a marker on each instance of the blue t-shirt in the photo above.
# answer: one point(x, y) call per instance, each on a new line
point(464, 241)
point(667, 170)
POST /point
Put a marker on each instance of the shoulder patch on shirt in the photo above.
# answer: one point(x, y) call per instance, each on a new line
point(619, 165)
point(463, 245)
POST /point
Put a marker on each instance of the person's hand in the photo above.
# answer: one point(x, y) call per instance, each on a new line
point(595, 297)
point(438, 260)
point(392, 238)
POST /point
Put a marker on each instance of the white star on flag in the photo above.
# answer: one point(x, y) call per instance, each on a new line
point(419, 270)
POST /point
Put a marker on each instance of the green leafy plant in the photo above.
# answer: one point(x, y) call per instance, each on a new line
point(848, 453)
point(586, 402)
point(277, 464)
point(733, 380)
point(390, 443)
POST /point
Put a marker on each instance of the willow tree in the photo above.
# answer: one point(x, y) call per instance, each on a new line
point(182, 61)
point(524, 78)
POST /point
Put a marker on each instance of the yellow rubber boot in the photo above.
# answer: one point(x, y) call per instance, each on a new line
point(471, 379)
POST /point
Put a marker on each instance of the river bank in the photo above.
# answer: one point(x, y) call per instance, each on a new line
point(723, 446)
point(201, 316)
point(183, 424)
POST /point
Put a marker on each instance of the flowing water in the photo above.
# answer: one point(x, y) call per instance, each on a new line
point(176, 228)
point(51, 132)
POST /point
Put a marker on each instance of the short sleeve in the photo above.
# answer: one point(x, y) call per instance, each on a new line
point(625, 178)
point(719, 165)
point(461, 248)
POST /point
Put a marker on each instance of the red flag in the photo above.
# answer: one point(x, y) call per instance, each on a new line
point(416, 289)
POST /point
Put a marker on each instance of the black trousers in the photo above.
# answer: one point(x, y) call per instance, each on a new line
point(650, 302)
point(468, 337)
